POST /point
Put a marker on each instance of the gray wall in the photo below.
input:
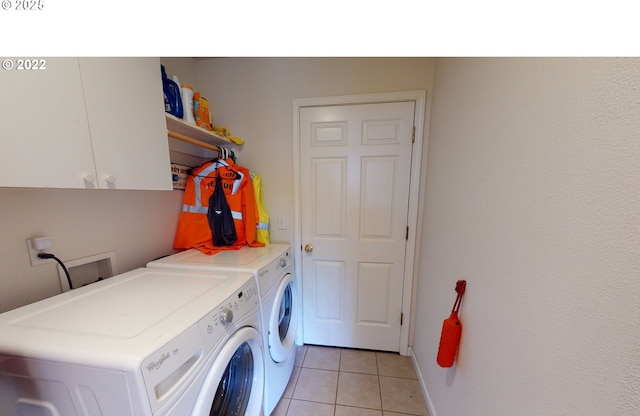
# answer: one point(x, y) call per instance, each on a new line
point(532, 197)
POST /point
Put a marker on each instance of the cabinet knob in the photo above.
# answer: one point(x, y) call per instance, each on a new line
point(110, 179)
point(89, 178)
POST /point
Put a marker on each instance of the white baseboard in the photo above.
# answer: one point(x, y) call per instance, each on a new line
point(423, 385)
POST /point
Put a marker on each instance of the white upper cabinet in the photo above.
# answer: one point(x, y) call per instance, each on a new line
point(85, 123)
point(125, 109)
point(44, 135)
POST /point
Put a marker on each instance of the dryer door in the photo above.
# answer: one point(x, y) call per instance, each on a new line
point(235, 382)
point(283, 320)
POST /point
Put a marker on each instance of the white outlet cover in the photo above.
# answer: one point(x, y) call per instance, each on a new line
point(33, 253)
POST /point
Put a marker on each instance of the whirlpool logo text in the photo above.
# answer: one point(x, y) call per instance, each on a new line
point(154, 365)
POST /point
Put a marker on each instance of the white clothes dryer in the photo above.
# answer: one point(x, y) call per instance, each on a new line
point(148, 342)
point(273, 267)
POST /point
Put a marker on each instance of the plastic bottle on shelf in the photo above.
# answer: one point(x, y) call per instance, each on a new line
point(172, 95)
point(187, 103)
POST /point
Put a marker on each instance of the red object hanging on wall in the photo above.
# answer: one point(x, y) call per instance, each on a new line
point(451, 331)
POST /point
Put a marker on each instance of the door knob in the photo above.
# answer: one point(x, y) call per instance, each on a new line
point(308, 248)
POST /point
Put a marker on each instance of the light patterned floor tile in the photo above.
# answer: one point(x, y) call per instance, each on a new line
point(395, 365)
point(356, 411)
point(304, 408)
point(359, 390)
point(316, 385)
point(357, 361)
point(330, 381)
point(402, 395)
point(323, 358)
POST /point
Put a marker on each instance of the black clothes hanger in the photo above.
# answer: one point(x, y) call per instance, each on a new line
point(229, 168)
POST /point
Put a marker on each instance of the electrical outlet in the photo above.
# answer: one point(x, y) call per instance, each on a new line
point(38, 245)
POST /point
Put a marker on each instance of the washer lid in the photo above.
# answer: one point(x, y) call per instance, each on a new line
point(122, 310)
point(128, 315)
point(247, 258)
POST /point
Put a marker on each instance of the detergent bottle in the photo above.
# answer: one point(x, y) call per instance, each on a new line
point(172, 96)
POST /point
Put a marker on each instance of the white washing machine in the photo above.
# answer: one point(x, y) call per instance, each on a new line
point(148, 342)
point(273, 267)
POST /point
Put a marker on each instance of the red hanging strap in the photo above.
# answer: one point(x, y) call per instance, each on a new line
point(461, 285)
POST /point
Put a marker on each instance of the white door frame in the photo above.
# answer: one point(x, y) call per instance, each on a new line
point(417, 96)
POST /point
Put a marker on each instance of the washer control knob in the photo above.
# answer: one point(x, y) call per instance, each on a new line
point(226, 316)
point(283, 263)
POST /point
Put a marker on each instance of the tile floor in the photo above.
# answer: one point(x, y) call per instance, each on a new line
point(330, 381)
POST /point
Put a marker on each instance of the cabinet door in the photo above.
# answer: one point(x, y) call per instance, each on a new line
point(125, 108)
point(44, 136)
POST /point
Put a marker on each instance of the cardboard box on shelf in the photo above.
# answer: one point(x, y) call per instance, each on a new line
point(179, 175)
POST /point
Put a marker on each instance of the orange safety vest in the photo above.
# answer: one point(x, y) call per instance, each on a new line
point(193, 226)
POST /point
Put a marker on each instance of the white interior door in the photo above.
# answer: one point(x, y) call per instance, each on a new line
point(355, 170)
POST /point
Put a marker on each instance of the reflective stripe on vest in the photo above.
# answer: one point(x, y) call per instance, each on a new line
point(195, 209)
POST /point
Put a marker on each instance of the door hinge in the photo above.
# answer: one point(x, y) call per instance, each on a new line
point(413, 135)
point(406, 237)
point(401, 318)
